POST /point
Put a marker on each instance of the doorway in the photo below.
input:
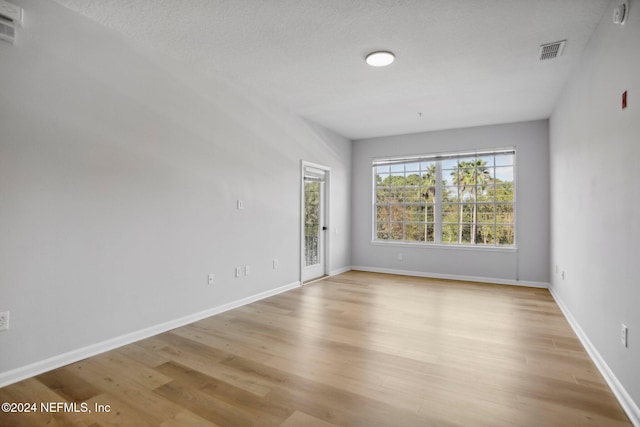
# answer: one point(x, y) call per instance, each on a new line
point(315, 221)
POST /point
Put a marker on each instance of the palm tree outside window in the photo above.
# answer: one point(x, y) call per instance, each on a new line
point(455, 199)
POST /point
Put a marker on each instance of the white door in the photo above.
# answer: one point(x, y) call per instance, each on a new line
point(314, 224)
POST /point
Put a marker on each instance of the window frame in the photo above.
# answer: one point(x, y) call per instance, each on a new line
point(439, 202)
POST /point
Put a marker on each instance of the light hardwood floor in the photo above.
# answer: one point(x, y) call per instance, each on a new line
point(358, 349)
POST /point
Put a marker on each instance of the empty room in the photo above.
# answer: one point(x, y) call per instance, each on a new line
point(319, 213)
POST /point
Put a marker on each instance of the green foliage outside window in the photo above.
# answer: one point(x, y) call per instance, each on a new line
point(472, 204)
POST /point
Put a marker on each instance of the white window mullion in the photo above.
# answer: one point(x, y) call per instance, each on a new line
point(437, 211)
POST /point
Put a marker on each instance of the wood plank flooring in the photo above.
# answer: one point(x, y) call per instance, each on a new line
point(358, 349)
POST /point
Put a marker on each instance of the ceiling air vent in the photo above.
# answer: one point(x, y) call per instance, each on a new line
point(551, 50)
point(10, 18)
point(7, 32)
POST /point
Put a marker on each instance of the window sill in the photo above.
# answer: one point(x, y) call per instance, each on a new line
point(483, 248)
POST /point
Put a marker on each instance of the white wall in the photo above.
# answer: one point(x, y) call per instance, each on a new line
point(119, 174)
point(595, 196)
point(528, 265)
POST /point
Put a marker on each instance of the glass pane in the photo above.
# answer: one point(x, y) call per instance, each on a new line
point(311, 222)
point(503, 193)
point(396, 231)
point(450, 193)
point(467, 177)
point(412, 167)
point(504, 213)
point(382, 169)
point(382, 231)
point(504, 174)
point(485, 235)
point(382, 179)
point(469, 194)
point(422, 233)
point(429, 195)
point(396, 194)
point(505, 234)
point(504, 159)
point(397, 180)
point(486, 214)
point(397, 213)
point(428, 178)
point(397, 168)
point(428, 181)
point(413, 179)
point(383, 213)
point(429, 233)
point(484, 193)
point(414, 213)
point(484, 176)
point(486, 160)
point(412, 194)
point(450, 213)
point(449, 233)
point(413, 232)
point(419, 232)
point(468, 213)
point(466, 160)
point(446, 195)
point(465, 237)
point(449, 178)
point(383, 195)
point(449, 164)
point(428, 167)
point(430, 212)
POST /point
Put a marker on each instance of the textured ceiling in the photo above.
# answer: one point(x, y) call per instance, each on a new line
point(458, 63)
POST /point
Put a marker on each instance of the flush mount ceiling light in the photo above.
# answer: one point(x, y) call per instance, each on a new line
point(380, 59)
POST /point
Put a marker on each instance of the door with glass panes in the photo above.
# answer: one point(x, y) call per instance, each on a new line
point(314, 225)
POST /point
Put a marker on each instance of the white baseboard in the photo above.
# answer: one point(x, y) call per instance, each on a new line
point(33, 369)
point(629, 406)
point(453, 277)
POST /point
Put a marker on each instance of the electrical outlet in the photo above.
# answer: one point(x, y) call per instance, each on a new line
point(275, 263)
point(4, 321)
point(238, 271)
point(210, 278)
point(247, 270)
point(624, 332)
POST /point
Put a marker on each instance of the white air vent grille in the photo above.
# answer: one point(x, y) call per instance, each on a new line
point(551, 50)
point(10, 13)
point(10, 18)
point(7, 32)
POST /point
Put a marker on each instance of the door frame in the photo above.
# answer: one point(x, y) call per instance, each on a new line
point(327, 217)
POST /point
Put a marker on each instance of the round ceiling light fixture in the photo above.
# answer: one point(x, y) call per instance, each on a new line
point(380, 58)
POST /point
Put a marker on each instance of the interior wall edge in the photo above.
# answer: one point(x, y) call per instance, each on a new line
point(340, 270)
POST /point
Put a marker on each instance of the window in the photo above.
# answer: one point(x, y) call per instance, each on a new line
point(456, 198)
